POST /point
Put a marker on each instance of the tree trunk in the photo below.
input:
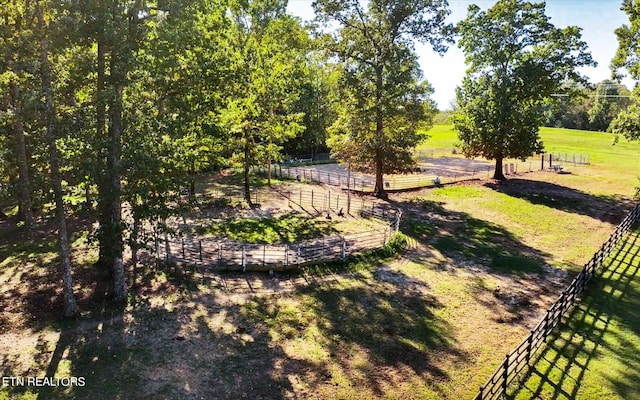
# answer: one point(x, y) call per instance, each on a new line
point(498, 173)
point(379, 190)
point(269, 173)
point(70, 308)
point(104, 259)
point(135, 234)
point(245, 170)
point(116, 128)
point(25, 212)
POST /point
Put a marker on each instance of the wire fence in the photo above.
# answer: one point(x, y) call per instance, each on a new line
point(432, 175)
point(519, 359)
point(569, 158)
point(424, 178)
point(219, 254)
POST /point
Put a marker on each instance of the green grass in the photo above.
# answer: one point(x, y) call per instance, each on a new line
point(288, 228)
point(615, 168)
point(516, 227)
point(595, 353)
point(432, 324)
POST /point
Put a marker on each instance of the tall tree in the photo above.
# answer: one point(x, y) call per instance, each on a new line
point(265, 47)
point(317, 91)
point(516, 59)
point(115, 28)
point(70, 307)
point(627, 57)
point(383, 92)
point(611, 98)
point(18, 53)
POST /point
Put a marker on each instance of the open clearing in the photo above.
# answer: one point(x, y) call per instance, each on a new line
point(485, 261)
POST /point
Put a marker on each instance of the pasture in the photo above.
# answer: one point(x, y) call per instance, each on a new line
point(484, 261)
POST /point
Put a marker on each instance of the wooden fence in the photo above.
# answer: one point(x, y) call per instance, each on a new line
point(218, 254)
point(518, 360)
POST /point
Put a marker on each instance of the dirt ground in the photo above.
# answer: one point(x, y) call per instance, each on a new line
point(444, 167)
point(322, 333)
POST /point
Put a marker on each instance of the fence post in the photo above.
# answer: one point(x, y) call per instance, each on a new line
point(529, 345)
point(546, 324)
point(505, 376)
point(343, 252)
point(182, 244)
point(244, 258)
point(200, 249)
point(313, 205)
point(286, 256)
point(480, 393)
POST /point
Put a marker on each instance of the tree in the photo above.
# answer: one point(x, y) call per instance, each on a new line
point(384, 95)
point(115, 29)
point(185, 63)
point(70, 307)
point(627, 123)
point(516, 59)
point(317, 88)
point(264, 47)
point(17, 59)
point(610, 99)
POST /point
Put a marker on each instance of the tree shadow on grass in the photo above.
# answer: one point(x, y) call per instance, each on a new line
point(488, 250)
point(611, 209)
point(373, 330)
point(468, 239)
point(590, 331)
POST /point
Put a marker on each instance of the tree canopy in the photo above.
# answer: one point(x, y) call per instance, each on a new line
point(627, 57)
point(516, 59)
point(384, 100)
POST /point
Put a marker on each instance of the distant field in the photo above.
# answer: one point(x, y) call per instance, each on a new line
point(614, 169)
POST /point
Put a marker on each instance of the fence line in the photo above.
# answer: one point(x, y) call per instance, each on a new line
point(569, 158)
point(443, 175)
point(518, 359)
point(231, 255)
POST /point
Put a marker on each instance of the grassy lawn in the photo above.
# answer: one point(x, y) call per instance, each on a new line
point(288, 228)
point(595, 353)
point(615, 168)
point(485, 261)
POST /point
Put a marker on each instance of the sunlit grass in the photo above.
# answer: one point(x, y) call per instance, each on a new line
point(595, 353)
point(287, 228)
point(614, 168)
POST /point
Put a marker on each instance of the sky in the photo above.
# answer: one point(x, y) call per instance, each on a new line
point(597, 18)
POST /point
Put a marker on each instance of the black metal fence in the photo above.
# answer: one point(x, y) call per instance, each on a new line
point(519, 359)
